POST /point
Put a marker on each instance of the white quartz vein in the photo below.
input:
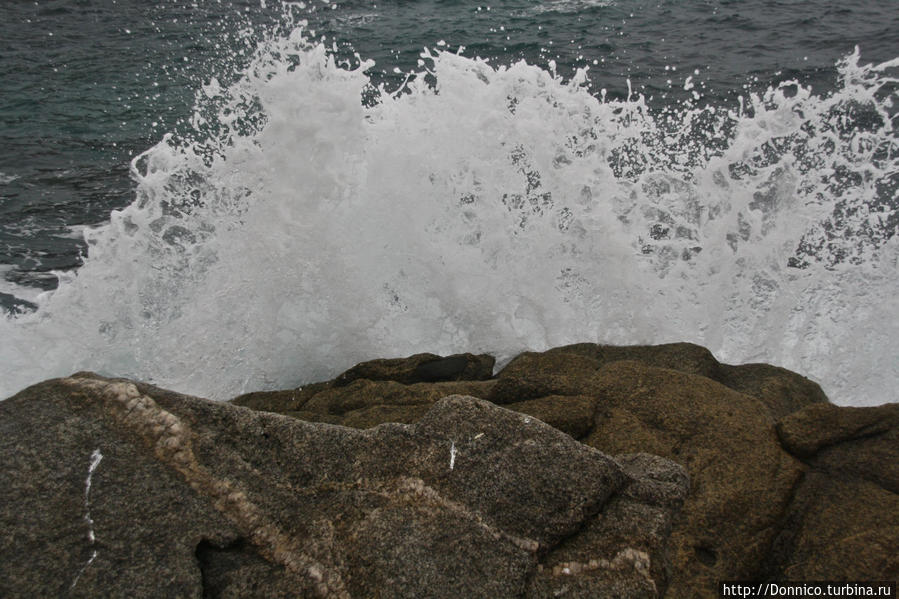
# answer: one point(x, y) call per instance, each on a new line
point(96, 456)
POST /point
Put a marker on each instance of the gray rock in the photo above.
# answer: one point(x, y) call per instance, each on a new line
point(116, 489)
point(624, 551)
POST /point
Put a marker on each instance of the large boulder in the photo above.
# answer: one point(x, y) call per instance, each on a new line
point(784, 485)
point(631, 536)
point(541, 384)
point(674, 400)
point(741, 477)
point(844, 520)
point(119, 489)
point(571, 367)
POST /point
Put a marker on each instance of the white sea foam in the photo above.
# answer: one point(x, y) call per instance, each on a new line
point(566, 6)
point(301, 232)
point(73, 232)
point(28, 294)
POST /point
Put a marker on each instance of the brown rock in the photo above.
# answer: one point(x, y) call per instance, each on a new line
point(572, 414)
point(807, 431)
point(224, 501)
point(569, 370)
point(560, 372)
point(375, 415)
point(531, 375)
point(362, 403)
point(365, 393)
point(674, 400)
point(844, 521)
point(683, 357)
point(781, 390)
point(838, 529)
point(741, 479)
point(422, 368)
point(280, 402)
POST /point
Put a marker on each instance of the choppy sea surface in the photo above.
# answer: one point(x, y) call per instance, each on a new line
point(223, 196)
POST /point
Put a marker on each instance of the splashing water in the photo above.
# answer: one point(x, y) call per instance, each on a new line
point(300, 229)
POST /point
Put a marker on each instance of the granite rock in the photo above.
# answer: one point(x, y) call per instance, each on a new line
point(744, 434)
point(114, 488)
point(843, 522)
point(575, 486)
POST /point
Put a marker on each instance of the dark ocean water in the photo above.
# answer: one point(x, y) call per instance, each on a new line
point(85, 86)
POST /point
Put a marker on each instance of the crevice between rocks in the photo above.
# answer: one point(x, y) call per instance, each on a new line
point(209, 560)
point(788, 523)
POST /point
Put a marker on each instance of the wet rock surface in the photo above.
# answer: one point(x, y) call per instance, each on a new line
point(583, 471)
point(114, 488)
point(751, 438)
point(845, 514)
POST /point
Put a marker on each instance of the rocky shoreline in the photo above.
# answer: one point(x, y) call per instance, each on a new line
point(582, 471)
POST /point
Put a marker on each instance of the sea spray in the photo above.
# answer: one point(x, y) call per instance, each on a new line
point(310, 221)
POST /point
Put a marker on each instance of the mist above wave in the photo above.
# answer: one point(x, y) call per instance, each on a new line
point(299, 229)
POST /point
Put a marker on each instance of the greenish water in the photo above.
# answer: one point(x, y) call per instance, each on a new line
point(734, 160)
